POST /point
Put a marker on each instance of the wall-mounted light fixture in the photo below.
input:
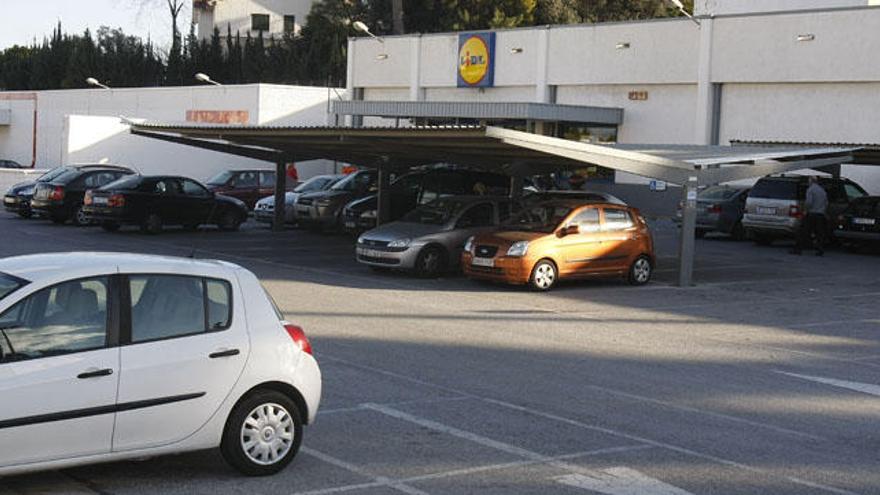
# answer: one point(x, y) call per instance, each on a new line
point(806, 37)
point(382, 56)
point(516, 50)
point(624, 45)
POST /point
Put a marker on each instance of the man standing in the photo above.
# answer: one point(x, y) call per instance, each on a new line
point(815, 223)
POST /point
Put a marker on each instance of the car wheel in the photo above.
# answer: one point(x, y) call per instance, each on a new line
point(738, 233)
point(80, 219)
point(110, 226)
point(640, 271)
point(229, 222)
point(152, 224)
point(431, 262)
point(263, 433)
point(544, 275)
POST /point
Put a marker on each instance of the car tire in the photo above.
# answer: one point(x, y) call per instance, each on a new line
point(79, 217)
point(544, 276)
point(640, 271)
point(738, 233)
point(152, 224)
point(110, 226)
point(229, 222)
point(431, 262)
point(263, 433)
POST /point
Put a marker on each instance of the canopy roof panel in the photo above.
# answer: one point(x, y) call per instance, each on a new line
point(494, 148)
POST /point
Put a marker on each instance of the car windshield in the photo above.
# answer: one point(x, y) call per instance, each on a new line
point(9, 284)
point(314, 184)
point(127, 182)
point(540, 218)
point(718, 193)
point(775, 189)
point(221, 178)
point(437, 212)
point(349, 183)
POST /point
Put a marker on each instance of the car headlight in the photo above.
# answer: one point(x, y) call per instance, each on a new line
point(469, 245)
point(400, 243)
point(360, 239)
point(369, 214)
point(518, 248)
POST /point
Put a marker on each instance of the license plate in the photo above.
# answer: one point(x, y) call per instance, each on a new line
point(350, 225)
point(766, 211)
point(864, 221)
point(99, 201)
point(10, 201)
point(369, 253)
point(487, 262)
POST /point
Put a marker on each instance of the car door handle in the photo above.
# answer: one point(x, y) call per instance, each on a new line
point(95, 373)
point(223, 354)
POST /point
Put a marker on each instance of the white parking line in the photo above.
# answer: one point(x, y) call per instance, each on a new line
point(621, 481)
point(363, 406)
point(865, 388)
point(609, 431)
point(377, 480)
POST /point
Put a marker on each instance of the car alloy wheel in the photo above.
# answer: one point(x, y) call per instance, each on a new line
point(544, 275)
point(80, 219)
point(431, 262)
point(640, 271)
point(229, 222)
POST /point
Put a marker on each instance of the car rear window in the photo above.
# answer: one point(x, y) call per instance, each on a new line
point(67, 177)
point(9, 284)
point(718, 193)
point(775, 189)
point(127, 183)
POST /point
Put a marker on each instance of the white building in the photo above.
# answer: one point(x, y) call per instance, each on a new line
point(51, 128)
point(795, 71)
point(274, 18)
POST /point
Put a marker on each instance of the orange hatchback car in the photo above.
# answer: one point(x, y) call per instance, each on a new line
point(563, 240)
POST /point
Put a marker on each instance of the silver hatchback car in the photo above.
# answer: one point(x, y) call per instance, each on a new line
point(429, 239)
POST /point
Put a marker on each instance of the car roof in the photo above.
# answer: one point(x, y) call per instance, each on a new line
point(47, 267)
point(577, 203)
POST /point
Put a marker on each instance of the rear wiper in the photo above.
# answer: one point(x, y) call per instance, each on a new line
point(6, 338)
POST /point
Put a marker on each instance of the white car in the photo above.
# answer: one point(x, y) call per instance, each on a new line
point(110, 356)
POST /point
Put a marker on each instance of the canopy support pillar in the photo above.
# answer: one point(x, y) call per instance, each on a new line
point(687, 245)
point(280, 183)
point(383, 207)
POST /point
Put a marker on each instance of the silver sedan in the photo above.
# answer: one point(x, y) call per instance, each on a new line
point(429, 239)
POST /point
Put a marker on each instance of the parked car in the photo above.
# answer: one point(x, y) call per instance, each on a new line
point(720, 209)
point(416, 188)
point(113, 356)
point(775, 205)
point(18, 197)
point(61, 199)
point(264, 211)
point(10, 164)
point(561, 239)
point(860, 222)
point(246, 185)
point(152, 202)
point(429, 239)
point(322, 210)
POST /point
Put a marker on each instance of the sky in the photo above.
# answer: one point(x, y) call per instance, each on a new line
point(24, 20)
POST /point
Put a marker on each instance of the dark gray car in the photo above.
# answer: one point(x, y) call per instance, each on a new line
point(429, 239)
point(720, 209)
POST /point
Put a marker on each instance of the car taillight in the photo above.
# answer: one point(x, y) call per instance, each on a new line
point(116, 201)
point(56, 194)
point(795, 211)
point(714, 209)
point(299, 337)
point(87, 200)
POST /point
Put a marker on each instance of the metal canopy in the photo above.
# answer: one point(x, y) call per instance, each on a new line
point(481, 110)
point(504, 151)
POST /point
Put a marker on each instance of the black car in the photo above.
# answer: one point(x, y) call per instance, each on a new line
point(10, 164)
point(18, 197)
point(151, 202)
point(413, 189)
point(61, 199)
point(860, 222)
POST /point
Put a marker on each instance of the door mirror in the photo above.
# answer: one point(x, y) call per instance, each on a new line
point(569, 230)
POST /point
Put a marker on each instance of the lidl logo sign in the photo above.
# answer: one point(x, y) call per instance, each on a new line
point(476, 60)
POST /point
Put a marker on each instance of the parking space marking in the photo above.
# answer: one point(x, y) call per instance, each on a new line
point(377, 480)
point(621, 481)
point(839, 322)
point(865, 388)
point(601, 429)
point(363, 406)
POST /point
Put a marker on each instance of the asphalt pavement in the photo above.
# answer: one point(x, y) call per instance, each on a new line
point(764, 378)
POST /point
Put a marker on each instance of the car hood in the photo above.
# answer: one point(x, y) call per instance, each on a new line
point(370, 202)
point(17, 188)
point(400, 230)
point(506, 238)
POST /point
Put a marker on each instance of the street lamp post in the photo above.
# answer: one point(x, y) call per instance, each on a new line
point(202, 77)
point(91, 81)
point(680, 7)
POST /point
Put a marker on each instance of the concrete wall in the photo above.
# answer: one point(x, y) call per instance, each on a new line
point(728, 7)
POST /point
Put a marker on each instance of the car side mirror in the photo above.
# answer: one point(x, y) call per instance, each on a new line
point(569, 230)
